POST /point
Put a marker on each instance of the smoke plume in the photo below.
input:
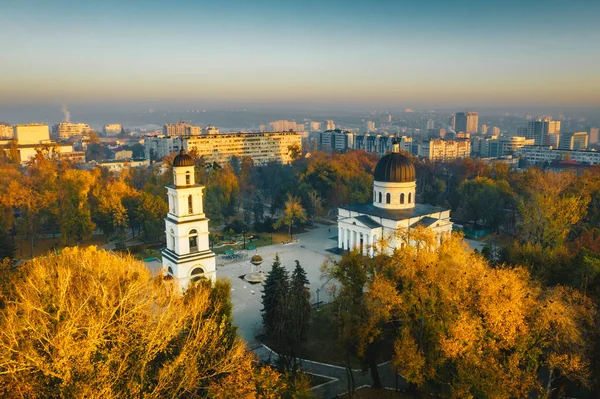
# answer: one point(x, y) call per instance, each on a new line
point(66, 113)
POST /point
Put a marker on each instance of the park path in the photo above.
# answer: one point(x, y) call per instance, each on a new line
point(338, 375)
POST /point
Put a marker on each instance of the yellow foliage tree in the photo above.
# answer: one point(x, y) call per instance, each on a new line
point(87, 323)
point(468, 330)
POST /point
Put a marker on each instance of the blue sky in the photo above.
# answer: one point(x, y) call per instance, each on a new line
point(430, 53)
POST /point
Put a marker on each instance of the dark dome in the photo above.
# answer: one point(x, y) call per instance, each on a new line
point(183, 159)
point(394, 168)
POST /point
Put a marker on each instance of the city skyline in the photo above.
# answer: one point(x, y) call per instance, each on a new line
point(312, 53)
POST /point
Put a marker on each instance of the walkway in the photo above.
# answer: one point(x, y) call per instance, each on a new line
point(338, 375)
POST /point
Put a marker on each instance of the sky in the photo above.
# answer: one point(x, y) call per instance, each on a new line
point(380, 53)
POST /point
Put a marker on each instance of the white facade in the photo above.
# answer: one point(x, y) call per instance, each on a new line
point(541, 154)
point(6, 131)
point(188, 256)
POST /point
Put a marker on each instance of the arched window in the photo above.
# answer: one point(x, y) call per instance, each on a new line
point(402, 198)
point(380, 197)
point(188, 178)
point(190, 207)
point(193, 240)
point(172, 240)
point(388, 198)
point(197, 274)
point(409, 197)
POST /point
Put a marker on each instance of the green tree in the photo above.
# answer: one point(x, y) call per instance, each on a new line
point(74, 215)
point(299, 311)
point(258, 208)
point(7, 246)
point(275, 305)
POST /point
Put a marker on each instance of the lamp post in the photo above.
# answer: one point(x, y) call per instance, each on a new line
point(318, 291)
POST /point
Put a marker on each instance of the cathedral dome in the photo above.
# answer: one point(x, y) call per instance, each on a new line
point(394, 168)
point(183, 159)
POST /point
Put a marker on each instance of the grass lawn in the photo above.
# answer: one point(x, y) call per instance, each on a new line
point(370, 393)
point(279, 236)
point(45, 244)
point(324, 346)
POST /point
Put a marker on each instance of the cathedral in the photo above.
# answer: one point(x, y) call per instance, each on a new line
point(187, 256)
point(373, 227)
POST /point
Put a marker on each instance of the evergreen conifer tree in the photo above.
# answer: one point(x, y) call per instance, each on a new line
point(299, 312)
point(275, 302)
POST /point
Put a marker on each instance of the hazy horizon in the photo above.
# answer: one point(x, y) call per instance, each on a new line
point(314, 53)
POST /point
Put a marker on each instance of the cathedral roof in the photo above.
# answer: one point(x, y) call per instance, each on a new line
point(183, 159)
point(394, 214)
point(394, 168)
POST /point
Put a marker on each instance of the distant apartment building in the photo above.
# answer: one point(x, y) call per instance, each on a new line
point(66, 130)
point(181, 129)
point(123, 154)
point(381, 144)
point(329, 125)
point(211, 130)
point(283, 126)
point(369, 126)
point(573, 141)
point(314, 126)
point(385, 119)
point(452, 122)
point(544, 131)
point(484, 129)
point(336, 140)
point(430, 124)
point(32, 133)
point(594, 135)
point(7, 132)
point(467, 122)
point(120, 165)
point(220, 148)
point(437, 133)
point(112, 129)
point(544, 154)
point(496, 147)
point(33, 136)
point(445, 149)
point(495, 131)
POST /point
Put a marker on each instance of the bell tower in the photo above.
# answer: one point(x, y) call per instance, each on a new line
point(187, 256)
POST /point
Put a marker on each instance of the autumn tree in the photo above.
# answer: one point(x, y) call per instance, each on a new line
point(465, 329)
point(136, 336)
point(292, 213)
point(73, 212)
point(549, 207)
point(484, 200)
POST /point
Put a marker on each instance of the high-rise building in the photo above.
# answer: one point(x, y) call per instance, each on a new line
point(452, 122)
point(66, 130)
point(495, 131)
point(445, 149)
point(6, 131)
point(181, 129)
point(543, 131)
point(369, 126)
point(112, 129)
point(284, 126)
point(573, 141)
point(484, 129)
point(430, 124)
point(314, 126)
point(220, 148)
point(385, 119)
point(594, 135)
point(32, 133)
point(467, 122)
point(329, 125)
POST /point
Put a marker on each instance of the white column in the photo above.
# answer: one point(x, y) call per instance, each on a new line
point(350, 240)
point(370, 251)
point(340, 238)
point(346, 238)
